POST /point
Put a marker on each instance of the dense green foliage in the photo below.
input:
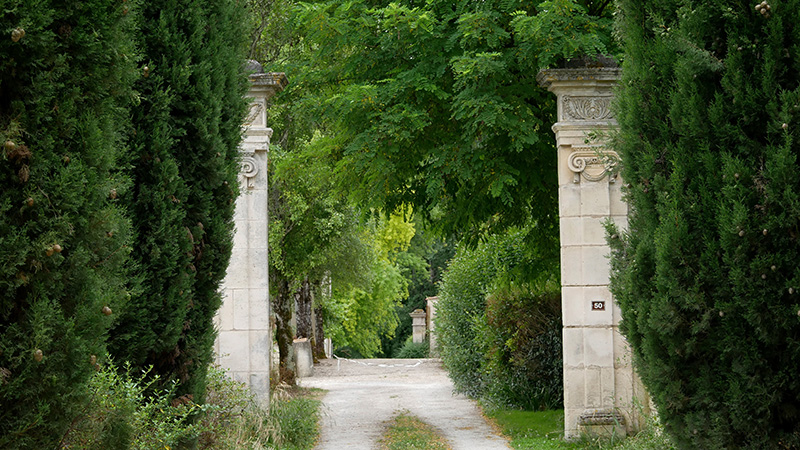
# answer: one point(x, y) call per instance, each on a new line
point(66, 70)
point(294, 417)
point(422, 265)
point(184, 166)
point(707, 276)
point(322, 255)
point(128, 411)
point(90, 140)
point(359, 315)
point(325, 254)
point(506, 349)
point(313, 240)
point(411, 349)
point(435, 104)
point(525, 355)
point(429, 104)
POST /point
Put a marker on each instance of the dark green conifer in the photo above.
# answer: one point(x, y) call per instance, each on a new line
point(707, 276)
point(185, 166)
point(66, 70)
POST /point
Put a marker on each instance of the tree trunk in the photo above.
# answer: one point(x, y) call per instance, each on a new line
point(305, 302)
point(319, 335)
point(282, 305)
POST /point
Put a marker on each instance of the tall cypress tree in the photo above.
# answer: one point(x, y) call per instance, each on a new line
point(66, 70)
point(185, 166)
point(707, 276)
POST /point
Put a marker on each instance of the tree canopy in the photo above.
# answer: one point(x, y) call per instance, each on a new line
point(435, 104)
point(432, 105)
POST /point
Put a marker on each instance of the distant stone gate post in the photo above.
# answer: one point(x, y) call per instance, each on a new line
point(431, 319)
point(244, 342)
point(601, 391)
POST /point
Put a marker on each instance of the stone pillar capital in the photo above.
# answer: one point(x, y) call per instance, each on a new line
point(598, 76)
point(584, 94)
point(267, 84)
point(257, 136)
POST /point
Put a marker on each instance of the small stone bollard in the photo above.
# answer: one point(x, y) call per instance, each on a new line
point(328, 348)
point(304, 357)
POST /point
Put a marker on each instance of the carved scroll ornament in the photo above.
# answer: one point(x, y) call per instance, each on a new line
point(249, 170)
point(254, 116)
point(592, 163)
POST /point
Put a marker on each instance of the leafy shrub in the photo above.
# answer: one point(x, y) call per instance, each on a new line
point(461, 310)
point(525, 352)
point(411, 350)
point(506, 349)
point(296, 419)
point(128, 412)
point(125, 412)
point(236, 419)
point(652, 437)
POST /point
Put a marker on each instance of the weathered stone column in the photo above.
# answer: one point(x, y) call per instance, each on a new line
point(601, 391)
point(244, 342)
point(418, 326)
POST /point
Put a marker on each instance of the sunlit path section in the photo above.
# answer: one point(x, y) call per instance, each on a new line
point(364, 394)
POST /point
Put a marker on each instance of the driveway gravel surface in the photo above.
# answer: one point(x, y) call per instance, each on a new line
point(364, 394)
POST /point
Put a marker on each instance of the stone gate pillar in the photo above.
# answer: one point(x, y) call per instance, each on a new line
point(601, 391)
point(418, 326)
point(431, 319)
point(244, 342)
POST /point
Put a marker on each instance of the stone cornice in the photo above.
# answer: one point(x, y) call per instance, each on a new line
point(275, 81)
point(584, 74)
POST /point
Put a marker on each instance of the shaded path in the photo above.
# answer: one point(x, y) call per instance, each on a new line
point(363, 394)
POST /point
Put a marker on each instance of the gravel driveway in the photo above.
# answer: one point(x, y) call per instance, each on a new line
point(364, 394)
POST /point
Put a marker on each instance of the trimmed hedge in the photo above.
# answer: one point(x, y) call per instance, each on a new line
point(66, 71)
point(185, 165)
point(412, 350)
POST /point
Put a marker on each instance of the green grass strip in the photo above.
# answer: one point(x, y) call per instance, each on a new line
point(544, 430)
point(408, 432)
